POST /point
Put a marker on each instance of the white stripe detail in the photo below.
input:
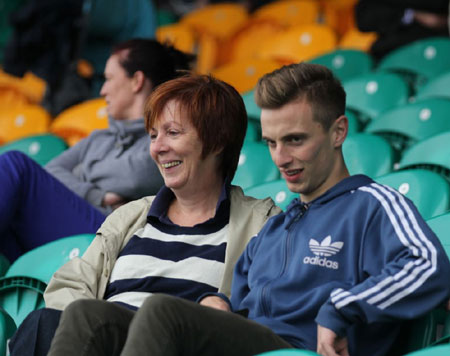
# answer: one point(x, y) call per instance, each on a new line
point(336, 291)
point(131, 298)
point(192, 268)
point(214, 239)
point(340, 296)
point(418, 265)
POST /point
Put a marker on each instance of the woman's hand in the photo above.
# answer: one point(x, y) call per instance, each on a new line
point(113, 200)
point(215, 302)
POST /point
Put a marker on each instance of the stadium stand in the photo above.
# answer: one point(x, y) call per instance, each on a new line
point(436, 87)
point(276, 189)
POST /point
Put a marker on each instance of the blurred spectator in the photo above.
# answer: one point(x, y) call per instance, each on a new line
point(398, 22)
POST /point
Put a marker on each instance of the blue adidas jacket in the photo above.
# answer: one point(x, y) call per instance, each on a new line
point(357, 260)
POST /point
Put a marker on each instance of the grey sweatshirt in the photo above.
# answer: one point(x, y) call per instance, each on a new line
point(116, 160)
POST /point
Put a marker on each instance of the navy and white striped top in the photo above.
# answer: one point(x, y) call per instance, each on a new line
point(163, 257)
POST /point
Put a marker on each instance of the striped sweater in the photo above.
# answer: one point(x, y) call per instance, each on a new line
point(163, 257)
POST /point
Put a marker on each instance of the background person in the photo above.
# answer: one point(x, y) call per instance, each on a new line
point(101, 172)
point(183, 242)
point(338, 272)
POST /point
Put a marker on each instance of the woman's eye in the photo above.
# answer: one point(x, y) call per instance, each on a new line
point(173, 133)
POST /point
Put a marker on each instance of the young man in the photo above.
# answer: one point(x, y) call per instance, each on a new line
point(337, 273)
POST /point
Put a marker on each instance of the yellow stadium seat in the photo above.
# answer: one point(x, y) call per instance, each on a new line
point(339, 14)
point(78, 121)
point(22, 121)
point(30, 86)
point(355, 39)
point(178, 35)
point(219, 20)
point(290, 12)
point(244, 74)
point(298, 44)
point(245, 43)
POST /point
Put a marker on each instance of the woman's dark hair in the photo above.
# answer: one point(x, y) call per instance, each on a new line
point(215, 109)
point(158, 62)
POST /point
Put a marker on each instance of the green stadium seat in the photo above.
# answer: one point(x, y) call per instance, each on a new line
point(253, 131)
point(437, 87)
point(42, 148)
point(440, 350)
point(353, 122)
point(346, 63)
point(255, 166)
point(289, 352)
point(253, 110)
point(367, 154)
point(406, 125)
point(441, 227)
point(432, 153)
point(41, 262)
point(423, 59)
point(277, 190)
point(7, 329)
point(21, 295)
point(370, 94)
point(429, 191)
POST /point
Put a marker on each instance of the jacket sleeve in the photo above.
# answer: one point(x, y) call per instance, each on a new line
point(65, 166)
point(405, 269)
point(77, 279)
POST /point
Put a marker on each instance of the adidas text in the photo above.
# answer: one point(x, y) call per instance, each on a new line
point(323, 262)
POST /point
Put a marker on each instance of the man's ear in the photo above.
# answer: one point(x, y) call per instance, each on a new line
point(138, 81)
point(340, 130)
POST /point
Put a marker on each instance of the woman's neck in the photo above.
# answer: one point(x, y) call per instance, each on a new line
point(194, 207)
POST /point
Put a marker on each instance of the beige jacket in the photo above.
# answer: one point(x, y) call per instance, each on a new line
point(88, 276)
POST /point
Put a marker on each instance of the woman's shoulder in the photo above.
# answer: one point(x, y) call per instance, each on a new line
point(265, 206)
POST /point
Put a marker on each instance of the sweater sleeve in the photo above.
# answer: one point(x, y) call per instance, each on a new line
point(405, 269)
point(64, 168)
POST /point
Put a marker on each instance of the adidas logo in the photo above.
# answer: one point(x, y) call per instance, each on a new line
point(326, 249)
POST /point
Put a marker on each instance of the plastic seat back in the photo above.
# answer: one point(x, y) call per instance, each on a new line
point(289, 12)
point(441, 227)
point(298, 43)
point(22, 121)
point(425, 59)
point(346, 63)
point(255, 166)
point(42, 148)
point(439, 350)
point(438, 87)
point(41, 262)
point(432, 153)
point(21, 295)
point(253, 110)
point(244, 74)
point(371, 94)
point(406, 125)
point(253, 131)
point(277, 190)
point(179, 36)
point(367, 154)
point(80, 120)
point(354, 39)
point(7, 329)
point(219, 20)
point(429, 191)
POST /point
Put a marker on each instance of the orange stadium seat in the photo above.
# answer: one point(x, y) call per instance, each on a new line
point(244, 74)
point(78, 121)
point(178, 35)
point(355, 39)
point(289, 12)
point(298, 43)
point(22, 121)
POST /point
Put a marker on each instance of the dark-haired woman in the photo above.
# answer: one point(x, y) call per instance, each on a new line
point(79, 188)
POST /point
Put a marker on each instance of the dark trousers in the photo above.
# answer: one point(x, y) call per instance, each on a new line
point(35, 334)
point(164, 325)
point(36, 208)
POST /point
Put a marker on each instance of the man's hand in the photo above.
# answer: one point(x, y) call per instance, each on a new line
point(329, 344)
point(430, 20)
point(113, 200)
point(215, 302)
